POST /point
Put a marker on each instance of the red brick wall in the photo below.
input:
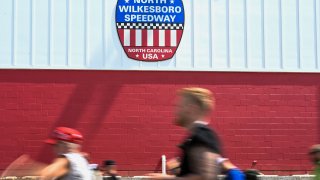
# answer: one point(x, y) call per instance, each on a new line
point(126, 116)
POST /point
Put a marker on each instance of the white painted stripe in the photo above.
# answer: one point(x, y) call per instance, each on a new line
point(162, 37)
point(173, 37)
point(138, 37)
point(126, 37)
point(150, 37)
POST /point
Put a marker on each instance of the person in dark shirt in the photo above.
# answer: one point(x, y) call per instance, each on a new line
point(314, 153)
point(109, 170)
point(202, 147)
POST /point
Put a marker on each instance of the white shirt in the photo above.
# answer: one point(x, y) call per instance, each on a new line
point(79, 168)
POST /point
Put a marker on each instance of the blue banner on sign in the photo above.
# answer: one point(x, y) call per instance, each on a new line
point(150, 11)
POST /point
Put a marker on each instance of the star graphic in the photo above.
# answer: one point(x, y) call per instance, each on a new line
point(172, 1)
point(162, 55)
point(127, 1)
point(137, 55)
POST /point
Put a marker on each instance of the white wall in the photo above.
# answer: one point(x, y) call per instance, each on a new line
point(220, 35)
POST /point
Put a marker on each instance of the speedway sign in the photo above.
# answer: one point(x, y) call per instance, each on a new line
point(150, 30)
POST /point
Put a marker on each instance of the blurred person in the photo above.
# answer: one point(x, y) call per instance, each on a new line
point(252, 174)
point(109, 169)
point(202, 147)
point(314, 154)
point(70, 164)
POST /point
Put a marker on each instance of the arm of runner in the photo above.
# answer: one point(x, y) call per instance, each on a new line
point(58, 168)
point(23, 166)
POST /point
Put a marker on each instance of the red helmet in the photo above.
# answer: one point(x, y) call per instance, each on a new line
point(65, 134)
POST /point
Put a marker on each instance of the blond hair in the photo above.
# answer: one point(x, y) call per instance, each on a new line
point(199, 96)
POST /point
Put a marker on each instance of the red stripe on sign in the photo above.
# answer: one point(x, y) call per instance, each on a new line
point(132, 37)
point(156, 38)
point(179, 35)
point(144, 37)
point(121, 35)
point(167, 38)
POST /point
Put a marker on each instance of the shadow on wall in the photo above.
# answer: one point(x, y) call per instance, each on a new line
point(85, 90)
point(71, 114)
point(76, 106)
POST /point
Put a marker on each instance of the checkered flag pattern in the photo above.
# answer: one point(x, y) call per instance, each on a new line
point(171, 26)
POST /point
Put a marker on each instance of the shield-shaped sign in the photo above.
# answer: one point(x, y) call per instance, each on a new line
point(150, 30)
